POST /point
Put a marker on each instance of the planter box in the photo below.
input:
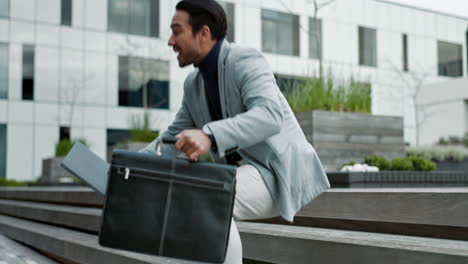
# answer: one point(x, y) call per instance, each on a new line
point(452, 165)
point(53, 173)
point(399, 179)
point(342, 137)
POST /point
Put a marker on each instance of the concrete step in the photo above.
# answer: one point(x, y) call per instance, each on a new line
point(276, 244)
point(280, 243)
point(429, 212)
point(82, 196)
point(73, 246)
point(14, 252)
point(82, 218)
point(293, 244)
point(428, 206)
point(423, 206)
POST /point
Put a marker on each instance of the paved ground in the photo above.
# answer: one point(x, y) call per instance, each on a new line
point(12, 252)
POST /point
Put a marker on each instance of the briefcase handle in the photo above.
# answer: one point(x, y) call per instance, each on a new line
point(169, 140)
point(165, 140)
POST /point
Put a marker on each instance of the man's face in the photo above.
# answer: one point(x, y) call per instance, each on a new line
point(182, 39)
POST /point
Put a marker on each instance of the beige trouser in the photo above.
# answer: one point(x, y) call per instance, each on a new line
point(253, 201)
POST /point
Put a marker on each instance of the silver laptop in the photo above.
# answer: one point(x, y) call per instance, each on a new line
point(86, 165)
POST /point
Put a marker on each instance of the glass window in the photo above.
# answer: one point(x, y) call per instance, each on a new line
point(136, 17)
point(141, 78)
point(450, 59)
point(3, 146)
point(315, 38)
point(466, 44)
point(229, 9)
point(4, 8)
point(405, 52)
point(3, 71)
point(280, 33)
point(466, 118)
point(66, 12)
point(367, 46)
point(64, 133)
point(28, 72)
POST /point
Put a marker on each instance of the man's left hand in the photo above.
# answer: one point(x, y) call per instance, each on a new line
point(193, 142)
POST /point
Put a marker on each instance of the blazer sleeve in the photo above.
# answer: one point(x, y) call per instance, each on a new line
point(260, 96)
point(182, 121)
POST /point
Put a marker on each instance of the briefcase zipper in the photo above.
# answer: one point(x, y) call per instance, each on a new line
point(140, 173)
point(127, 173)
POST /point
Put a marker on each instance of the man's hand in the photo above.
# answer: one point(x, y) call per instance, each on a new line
point(193, 142)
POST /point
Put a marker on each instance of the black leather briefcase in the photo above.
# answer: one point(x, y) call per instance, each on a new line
point(168, 206)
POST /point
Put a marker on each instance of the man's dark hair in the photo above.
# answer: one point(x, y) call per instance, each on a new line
point(205, 12)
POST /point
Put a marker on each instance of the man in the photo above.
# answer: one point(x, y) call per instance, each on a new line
point(233, 107)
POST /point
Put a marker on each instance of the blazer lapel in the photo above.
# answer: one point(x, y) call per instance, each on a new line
point(221, 81)
point(205, 113)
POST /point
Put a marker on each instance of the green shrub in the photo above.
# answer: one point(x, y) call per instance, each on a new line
point(439, 153)
point(65, 145)
point(402, 164)
point(454, 141)
point(464, 140)
point(421, 164)
point(377, 161)
point(13, 183)
point(358, 98)
point(325, 94)
point(141, 128)
point(143, 135)
point(442, 141)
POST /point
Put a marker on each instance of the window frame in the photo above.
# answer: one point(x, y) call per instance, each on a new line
point(319, 53)
point(363, 34)
point(25, 93)
point(275, 17)
point(231, 20)
point(127, 73)
point(3, 158)
point(442, 69)
point(405, 62)
point(8, 9)
point(154, 15)
point(5, 46)
point(69, 6)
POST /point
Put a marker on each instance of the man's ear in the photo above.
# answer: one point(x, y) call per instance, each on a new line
point(206, 32)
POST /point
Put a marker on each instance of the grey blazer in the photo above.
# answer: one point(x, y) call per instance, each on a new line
point(258, 123)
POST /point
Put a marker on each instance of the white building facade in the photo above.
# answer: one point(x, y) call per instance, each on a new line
point(443, 110)
point(83, 68)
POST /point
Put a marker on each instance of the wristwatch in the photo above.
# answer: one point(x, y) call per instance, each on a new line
point(208, 132)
